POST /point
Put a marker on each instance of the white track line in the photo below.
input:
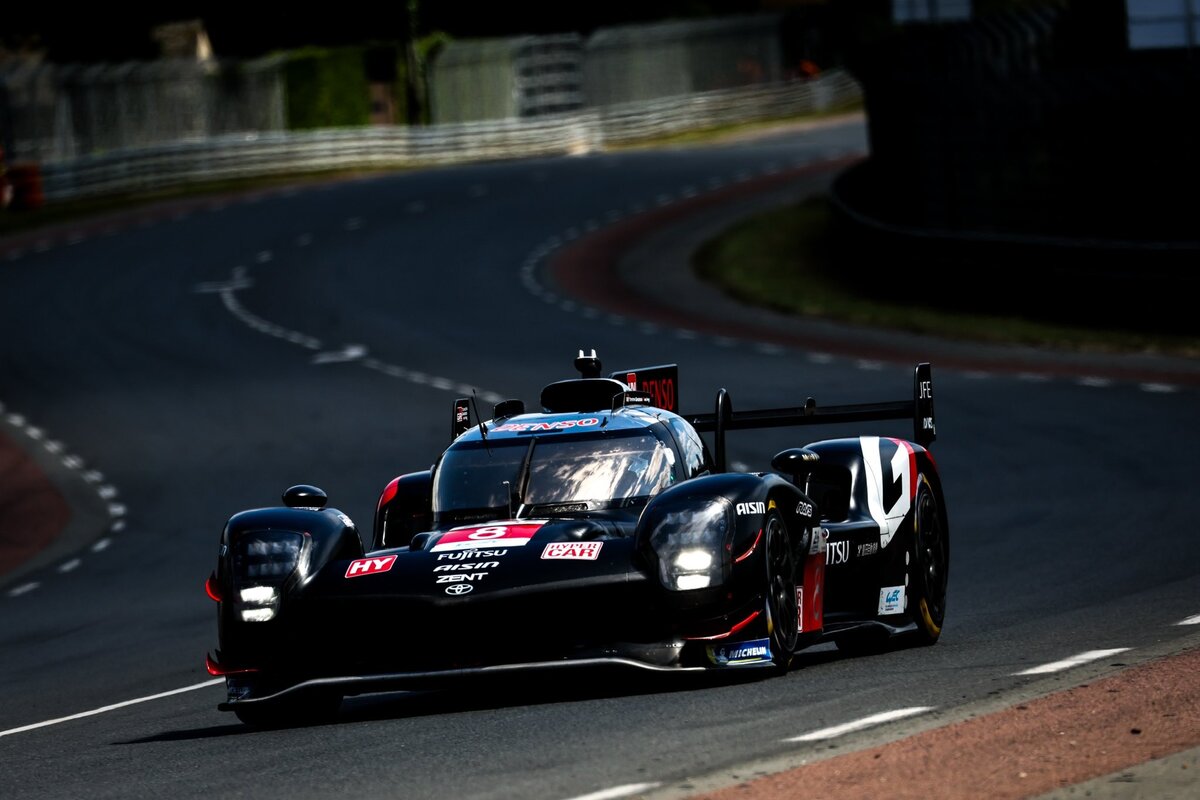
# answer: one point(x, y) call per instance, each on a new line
point(1190, 621)
point(615, 792)
point(23, 588)
point(113, 707)
point(1073, 661)
point(860, 724)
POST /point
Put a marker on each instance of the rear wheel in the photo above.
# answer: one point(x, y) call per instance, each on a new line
point(783, 617)
point(931, 565)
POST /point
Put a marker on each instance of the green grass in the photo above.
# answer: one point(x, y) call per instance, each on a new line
point(783, 259)
point(732, 130)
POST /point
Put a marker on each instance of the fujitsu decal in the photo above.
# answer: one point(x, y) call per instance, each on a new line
point(890, 464)
point(369, 566)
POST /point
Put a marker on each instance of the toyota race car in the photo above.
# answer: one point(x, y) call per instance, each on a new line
point(600, 531)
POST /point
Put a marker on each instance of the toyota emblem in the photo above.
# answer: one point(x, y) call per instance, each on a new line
point(459, 588)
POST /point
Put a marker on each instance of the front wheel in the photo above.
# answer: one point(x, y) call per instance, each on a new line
point(783, 616)
point(931, 564)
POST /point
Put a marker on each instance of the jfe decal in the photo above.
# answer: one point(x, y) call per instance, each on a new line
point(580, 551)
point(369, 566)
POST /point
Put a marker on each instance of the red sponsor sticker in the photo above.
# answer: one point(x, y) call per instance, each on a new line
point(578, 551)
point(476, 536)
point(369, 566)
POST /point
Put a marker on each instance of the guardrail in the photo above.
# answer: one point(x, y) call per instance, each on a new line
point(263, 154)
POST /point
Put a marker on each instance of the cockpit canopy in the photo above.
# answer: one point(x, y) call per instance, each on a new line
point(550, 474)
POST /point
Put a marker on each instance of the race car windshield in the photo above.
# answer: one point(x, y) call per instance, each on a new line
point(597, 471)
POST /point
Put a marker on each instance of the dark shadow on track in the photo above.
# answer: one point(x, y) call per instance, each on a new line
point(475, 694)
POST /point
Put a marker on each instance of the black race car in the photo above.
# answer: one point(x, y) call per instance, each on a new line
point(598, 531)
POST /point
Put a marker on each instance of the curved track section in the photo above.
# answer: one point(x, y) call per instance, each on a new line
point(212, 358)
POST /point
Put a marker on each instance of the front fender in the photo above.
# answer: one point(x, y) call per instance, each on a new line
point(666, 526)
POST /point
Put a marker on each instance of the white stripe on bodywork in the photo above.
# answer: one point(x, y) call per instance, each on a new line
point(888, 519)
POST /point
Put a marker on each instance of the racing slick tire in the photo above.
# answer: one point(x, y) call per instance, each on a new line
point(930, 565)
point(783, 618)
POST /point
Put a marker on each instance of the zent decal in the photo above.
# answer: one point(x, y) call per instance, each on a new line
point(463, 576)
point(732, 655)
point(578, 551)
point(889, 482)
point(369, 566)
point(892, 600)
point(475, 536)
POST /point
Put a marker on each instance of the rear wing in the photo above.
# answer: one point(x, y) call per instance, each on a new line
point(919, 410)
point(661, 383)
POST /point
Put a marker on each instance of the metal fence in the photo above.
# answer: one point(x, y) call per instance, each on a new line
point(523, 76)
point(239, 156)
point(646, 61)
point(60, 111)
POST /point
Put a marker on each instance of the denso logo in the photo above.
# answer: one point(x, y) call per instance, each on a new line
point(751, 508)
point(561, 425)
point(369, 566)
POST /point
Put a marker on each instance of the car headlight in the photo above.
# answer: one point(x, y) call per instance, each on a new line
point(690, 545)
point(263, 561)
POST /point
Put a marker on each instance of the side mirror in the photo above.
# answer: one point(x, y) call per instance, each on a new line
point(305, 496)
point(508, 408)
point(797, 462)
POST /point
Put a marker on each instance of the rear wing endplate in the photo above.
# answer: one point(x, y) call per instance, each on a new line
point(661, 383)
point(919, 410)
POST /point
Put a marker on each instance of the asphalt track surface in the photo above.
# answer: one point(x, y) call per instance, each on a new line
point(197, 364)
